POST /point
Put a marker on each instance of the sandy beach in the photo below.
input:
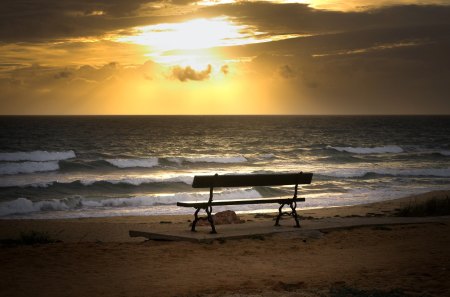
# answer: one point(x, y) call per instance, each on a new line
point(96, 257)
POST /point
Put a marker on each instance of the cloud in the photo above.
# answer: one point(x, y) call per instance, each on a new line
point(225, 69)
point(17, 55)
point(60, 90)
point(183, 2)
point(73, 78)
point(397, 70)
point(24, 20)
point(188, 73)
point(63, 74)
point(278, 18)
point(37, 21)
point(377, 60)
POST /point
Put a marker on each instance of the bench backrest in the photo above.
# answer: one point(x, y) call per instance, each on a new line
point(251, 180)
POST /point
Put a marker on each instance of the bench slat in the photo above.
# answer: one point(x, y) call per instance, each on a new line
point(237, 202)
point(251, 180)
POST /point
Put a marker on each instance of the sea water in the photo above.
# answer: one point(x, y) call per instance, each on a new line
point(90, 166)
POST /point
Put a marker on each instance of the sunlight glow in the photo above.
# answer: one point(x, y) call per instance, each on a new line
point(218, 2)
point(194, 34)
point(189, 42)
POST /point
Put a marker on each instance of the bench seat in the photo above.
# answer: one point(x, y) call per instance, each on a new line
point(203, 204)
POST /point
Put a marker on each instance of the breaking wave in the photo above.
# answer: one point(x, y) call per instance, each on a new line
point(35, 161)
point(140, 180)
point(130, 163)
point(38, 156)
point(25, 206)
point(390, 149)
point(132, 181)
point(27, 167)
point(444, 153)
point(209, 159)
point(349, 173)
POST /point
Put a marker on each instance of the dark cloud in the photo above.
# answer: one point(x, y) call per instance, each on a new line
point(408, 79)
point(63, 74)
point(11, 65)
point(356, 40)
point(25, 20)
point(38, 76)
point(182, 2)
point(34, 21)
point(188, 73)
point(398, 70)
point(116, 8)
point(301, 18)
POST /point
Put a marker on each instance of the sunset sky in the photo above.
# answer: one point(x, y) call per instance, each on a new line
point(224, 57)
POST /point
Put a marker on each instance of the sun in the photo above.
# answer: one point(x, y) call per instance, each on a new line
point(194, 34)
point(190, 42)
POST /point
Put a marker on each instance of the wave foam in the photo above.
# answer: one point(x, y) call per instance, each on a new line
point(28, 167)
point(444, 153)
point(137, 181)
point(25, 206)
point(39, 156)
point(391, 149)
point(130, 163)
point(349, 173)
point(213, 159)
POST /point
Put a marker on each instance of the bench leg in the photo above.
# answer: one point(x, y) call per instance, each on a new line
point(210, 219)
point(195, 219)
point(280, 213)
point(293, 213)
point(293, 206)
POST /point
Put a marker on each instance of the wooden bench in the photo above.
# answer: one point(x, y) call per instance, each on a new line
point(247, 180)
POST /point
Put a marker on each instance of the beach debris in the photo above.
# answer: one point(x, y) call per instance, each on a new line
point(257, 237)
point(373, 214)
point(382, 228)
point(263, 215)
point(289, 287)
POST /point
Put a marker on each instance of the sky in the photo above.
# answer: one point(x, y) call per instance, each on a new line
point(87, 57)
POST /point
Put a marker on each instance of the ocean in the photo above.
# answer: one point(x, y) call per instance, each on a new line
point(102, 166)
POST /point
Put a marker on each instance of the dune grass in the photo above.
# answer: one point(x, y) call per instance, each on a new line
point(432, 207)
point(35, 237)
point(30, 238)
point(345, 291)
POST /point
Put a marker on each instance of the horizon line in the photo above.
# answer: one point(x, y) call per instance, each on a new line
point(216, 115)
